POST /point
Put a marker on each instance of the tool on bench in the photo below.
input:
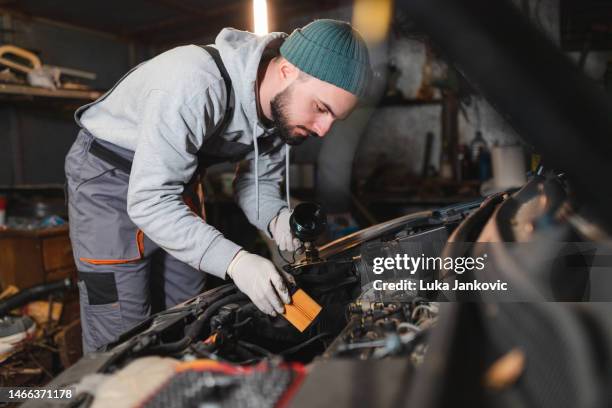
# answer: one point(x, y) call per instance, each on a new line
point(28, 63)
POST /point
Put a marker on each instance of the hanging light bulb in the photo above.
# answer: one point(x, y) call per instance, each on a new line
point(260, 15)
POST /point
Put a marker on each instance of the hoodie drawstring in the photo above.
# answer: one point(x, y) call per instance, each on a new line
point(287, 147)
point(256, 147)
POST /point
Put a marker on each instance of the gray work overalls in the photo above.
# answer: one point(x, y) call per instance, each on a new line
point(115, 260)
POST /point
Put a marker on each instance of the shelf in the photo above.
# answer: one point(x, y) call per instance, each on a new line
point(22, 93)
point(6, 232)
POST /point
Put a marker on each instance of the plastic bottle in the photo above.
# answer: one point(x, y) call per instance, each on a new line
point(2, 210)
point(481, 157)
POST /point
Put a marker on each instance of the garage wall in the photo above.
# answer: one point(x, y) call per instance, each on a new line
point(41, 136)
point(395, 135)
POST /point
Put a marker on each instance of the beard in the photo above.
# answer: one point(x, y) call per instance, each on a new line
point(278, 107)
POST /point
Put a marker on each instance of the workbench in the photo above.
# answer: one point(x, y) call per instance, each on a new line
point(31, 257)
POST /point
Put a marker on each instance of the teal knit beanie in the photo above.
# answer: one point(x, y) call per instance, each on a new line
point(331, 51)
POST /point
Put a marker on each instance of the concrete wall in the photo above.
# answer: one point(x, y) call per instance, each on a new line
point(395, 135)
point(398, 133)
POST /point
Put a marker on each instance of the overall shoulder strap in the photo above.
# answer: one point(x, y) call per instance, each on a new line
point(111, 157)
point(229, 106)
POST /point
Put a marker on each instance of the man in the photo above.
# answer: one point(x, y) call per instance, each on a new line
point(131, 171)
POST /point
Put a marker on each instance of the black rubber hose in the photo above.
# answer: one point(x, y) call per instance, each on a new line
point(169, 348)
point(254, 347)
point(195, 328)
point(300, 346)
point(33, 293)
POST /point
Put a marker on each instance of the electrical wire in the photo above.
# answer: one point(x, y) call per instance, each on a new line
point(304, 344)
point(281, 255)
point(255, 348)
point(203, 353)
point(268, 354)
point(193, 331)
point(242, 323)
point(292, 254)
point(200, 323)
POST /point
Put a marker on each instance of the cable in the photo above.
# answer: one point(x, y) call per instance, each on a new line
point(35, 292)
point(204, 353)
point(175, 310)
point(242, 323)
point(255, 348)
point(194, 330)
point(219, 292)
point(281, 255)
point(269, 354)
point(304, 344)
point(170, 348)
point(198, 325)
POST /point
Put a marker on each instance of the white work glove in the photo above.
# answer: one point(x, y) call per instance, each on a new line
point(259, 279)
point(281, 232)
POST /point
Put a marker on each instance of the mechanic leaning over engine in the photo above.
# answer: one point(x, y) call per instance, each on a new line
point(133, 170)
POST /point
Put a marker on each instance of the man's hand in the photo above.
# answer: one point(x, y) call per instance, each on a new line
point(258, 278)
point(281, 232)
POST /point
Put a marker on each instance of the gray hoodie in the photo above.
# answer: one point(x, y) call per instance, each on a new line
point(163, 111)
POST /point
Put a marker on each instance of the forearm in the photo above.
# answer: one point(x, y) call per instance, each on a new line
point(163, 164)
point(168, 222)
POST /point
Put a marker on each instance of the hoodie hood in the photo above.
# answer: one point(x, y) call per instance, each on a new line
point(241, 52)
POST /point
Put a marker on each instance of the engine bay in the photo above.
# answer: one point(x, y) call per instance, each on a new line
point(218, 348)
